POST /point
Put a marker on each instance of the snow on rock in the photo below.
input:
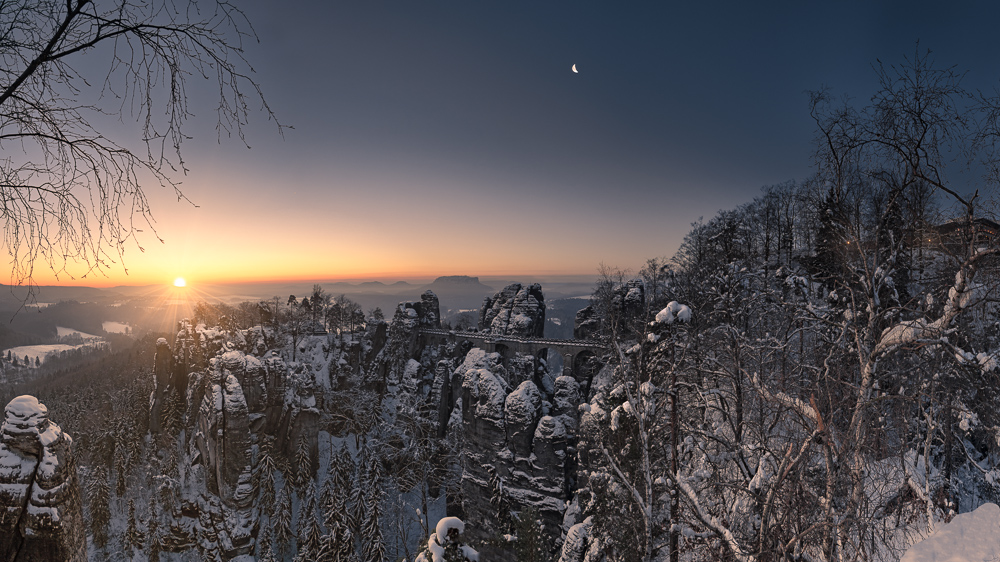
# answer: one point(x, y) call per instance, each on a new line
point(223, 429)
point(517, 310)
point(575, 545)
point(162, 372)
point(446, 524)
point(566, 400)
point(445, 543)
point(485, 390)
point(41, 515)
point(674, 311)
point(969, 537)
point(523, 433)
point(522, 408)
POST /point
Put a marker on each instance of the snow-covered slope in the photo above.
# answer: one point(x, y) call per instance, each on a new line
point(969, 537)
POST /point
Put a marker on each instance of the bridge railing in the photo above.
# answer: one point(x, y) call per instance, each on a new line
point(497, 338)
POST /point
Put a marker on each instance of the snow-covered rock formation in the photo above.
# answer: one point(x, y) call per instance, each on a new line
point(523, 433)
point(228, 396)
point(162, 371)
point(41, 517)
point(626, 302)
point(517, 310)
point(222, 430)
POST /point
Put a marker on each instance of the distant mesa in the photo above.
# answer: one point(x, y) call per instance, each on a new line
point(457, 280)
point(459, 291)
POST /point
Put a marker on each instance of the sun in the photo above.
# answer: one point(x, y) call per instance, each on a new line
point(180, 282)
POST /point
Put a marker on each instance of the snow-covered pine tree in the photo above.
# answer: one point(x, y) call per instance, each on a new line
point(264, 551)
point(310, 536)
point(374, 543)
point(265, 477)
point(344, 470)
point(356, 504)
point(120, 471)
point(281, 520)
point(307, 507)
point(133, 539)
point(325, 497)
point(153, 531)
point(99, 499)
point(339, 538)
point(303, 463)
point(327, 551)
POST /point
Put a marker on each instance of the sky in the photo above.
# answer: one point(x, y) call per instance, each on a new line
point(452, 138)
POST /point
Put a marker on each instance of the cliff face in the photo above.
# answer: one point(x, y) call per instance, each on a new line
point(524, 433)
point(517, 310)
point(626, 302)
point(41, 516)
point(162, 371)
point(229, 395)
point(222, 433)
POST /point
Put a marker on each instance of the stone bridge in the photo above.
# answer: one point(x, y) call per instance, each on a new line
point(578, 357)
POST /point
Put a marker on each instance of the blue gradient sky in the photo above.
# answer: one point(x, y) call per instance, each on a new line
point(435, 138)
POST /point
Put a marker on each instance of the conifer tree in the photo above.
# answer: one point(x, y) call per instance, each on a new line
point(172, 413)
point(500, 502)
point(264, 476)
point(99, 498)
point(339, 539)
point(307, 506)
point(281, 521)
point(133, 539)
point(374, 542)
point(345, 468)
point(264, 551)
point(530, 543)
point(153, 531)
point(310, 536)
point(303, 463)
point(120, 470)
point(327, 551)
point(326, 495)
point(356, 504)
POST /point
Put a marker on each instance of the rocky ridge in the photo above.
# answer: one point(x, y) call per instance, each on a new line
point(41, 515)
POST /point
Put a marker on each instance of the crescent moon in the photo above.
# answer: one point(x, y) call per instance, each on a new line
point(575, 70)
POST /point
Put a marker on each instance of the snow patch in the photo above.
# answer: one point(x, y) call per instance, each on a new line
point(969, 537)
point(674, 311)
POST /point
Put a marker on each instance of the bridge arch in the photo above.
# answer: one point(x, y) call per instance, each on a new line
point(548, 366)
point(506, 353)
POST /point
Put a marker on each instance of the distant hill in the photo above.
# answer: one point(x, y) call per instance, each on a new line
point(14, 296)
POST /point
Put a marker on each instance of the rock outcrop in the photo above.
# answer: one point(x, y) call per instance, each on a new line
point(41, 515)
point(515, 311)
point(429, 310)
point(525, 433)
point(162, 373)
point(402, 340)
point(627, 302)
point(222, 430)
